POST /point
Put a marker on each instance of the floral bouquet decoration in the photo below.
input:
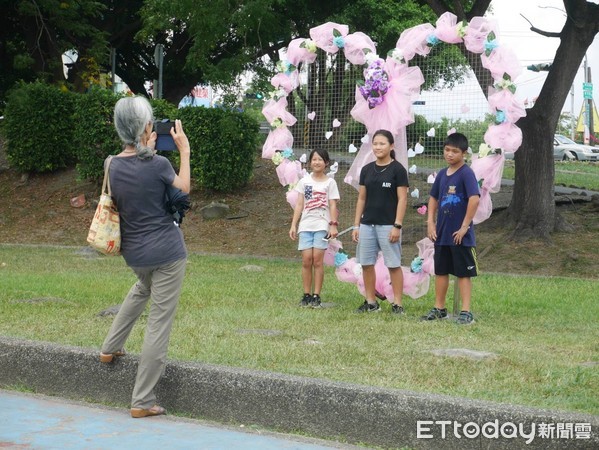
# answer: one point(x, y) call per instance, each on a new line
point(376, 83)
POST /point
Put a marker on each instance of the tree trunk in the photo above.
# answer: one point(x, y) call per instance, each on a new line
point(532, 208)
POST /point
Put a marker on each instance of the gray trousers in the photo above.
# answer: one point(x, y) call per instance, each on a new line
point(163, 284)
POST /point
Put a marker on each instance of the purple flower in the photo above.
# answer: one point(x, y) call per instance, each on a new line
point(376, 84)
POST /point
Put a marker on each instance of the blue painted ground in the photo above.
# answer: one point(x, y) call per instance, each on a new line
point(40, 422)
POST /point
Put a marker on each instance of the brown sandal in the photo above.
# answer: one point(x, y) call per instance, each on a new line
point(155, 410)
point(109, 357)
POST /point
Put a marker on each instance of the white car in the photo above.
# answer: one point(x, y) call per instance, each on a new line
point(565, 149)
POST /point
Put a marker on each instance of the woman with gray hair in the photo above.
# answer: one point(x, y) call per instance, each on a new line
point(151, 243)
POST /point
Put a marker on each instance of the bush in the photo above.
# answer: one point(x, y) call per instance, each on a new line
point(39, 127)
point(95, 135)
point(164, 110)
point(223, 146)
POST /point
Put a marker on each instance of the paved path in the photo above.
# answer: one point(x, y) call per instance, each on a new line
point(41, 422)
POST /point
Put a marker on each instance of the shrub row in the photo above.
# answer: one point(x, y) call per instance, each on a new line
point(47, 129)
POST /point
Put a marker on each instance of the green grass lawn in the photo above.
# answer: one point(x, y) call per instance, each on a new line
point(543, 330)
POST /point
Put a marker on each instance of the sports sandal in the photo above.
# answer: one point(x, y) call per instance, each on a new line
point(138, 413)
point(109, 357)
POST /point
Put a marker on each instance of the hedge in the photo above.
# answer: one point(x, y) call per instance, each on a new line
point(39, 127)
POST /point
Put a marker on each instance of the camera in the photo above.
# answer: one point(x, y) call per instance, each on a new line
point(164, 140)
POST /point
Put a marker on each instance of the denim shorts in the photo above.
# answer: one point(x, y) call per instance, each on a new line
point(375, 238)
point(312, 239)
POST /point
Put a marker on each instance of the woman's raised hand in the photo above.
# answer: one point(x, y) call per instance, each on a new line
point(180, 138)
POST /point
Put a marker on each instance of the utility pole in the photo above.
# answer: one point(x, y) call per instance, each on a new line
point(572, 114)
point(587, 93)
point(158, 59)
point(113, 68)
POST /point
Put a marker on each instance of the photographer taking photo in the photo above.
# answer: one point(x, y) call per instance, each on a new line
point(151, 243)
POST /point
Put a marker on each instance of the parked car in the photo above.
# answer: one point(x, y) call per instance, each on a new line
point(565, 149)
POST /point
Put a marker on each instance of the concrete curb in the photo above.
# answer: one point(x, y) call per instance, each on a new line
point(341, 411)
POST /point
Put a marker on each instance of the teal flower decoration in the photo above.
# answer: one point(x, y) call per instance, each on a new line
point(500, 116)
point(432, 40)
point(339, 41)
point(490, 46)
point(340, 259)
point(416, 265)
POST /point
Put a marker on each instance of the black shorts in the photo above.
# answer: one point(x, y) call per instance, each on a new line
point(456, 260)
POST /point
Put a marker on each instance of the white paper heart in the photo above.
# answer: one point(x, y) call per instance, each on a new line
point(334, 168)
point(431, 132)
point(431, 178)
point(336, 123)
point(418, 149)
point(411, 153)
point(328, 134)
point(365, 139)
point(451, 131)
point(413, 169)
point(303, 158)
point(312, 115)
point(415, 193)
point(352, 148)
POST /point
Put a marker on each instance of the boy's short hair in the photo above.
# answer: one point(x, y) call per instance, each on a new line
point(457, 140)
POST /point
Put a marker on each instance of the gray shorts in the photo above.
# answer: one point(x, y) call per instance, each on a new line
point(375, 238)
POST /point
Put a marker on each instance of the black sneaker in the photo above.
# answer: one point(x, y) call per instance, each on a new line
point(369, 307)
point(435, 314)
point(465, 318)
point(397, 309)
point(305, 302)
point(315, 301)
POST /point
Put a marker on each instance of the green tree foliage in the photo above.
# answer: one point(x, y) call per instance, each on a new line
point(35, 34)
point(38, 128)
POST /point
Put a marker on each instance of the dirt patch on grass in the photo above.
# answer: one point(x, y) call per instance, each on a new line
point(38, 211)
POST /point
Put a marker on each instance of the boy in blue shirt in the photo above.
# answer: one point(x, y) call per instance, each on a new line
point(453, 202)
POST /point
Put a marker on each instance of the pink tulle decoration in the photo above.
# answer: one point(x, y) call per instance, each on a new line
point(329, 255)
point(292, 197)
point(277, 109)
point(477, 32)
point(355, 44)
point(447, 28)
point(489, 169)
point(323, 36)
point(413, 41)
point(363, 157)
point(346, 272)
point(505, 136)
point(395, 112)
point(415, 285)
point(502, 60)
point(485, 207)
point(426, 250)
point(504, 100)
point(297, 54)
point(289, 172)
point(278, 139)
point(286, 82)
